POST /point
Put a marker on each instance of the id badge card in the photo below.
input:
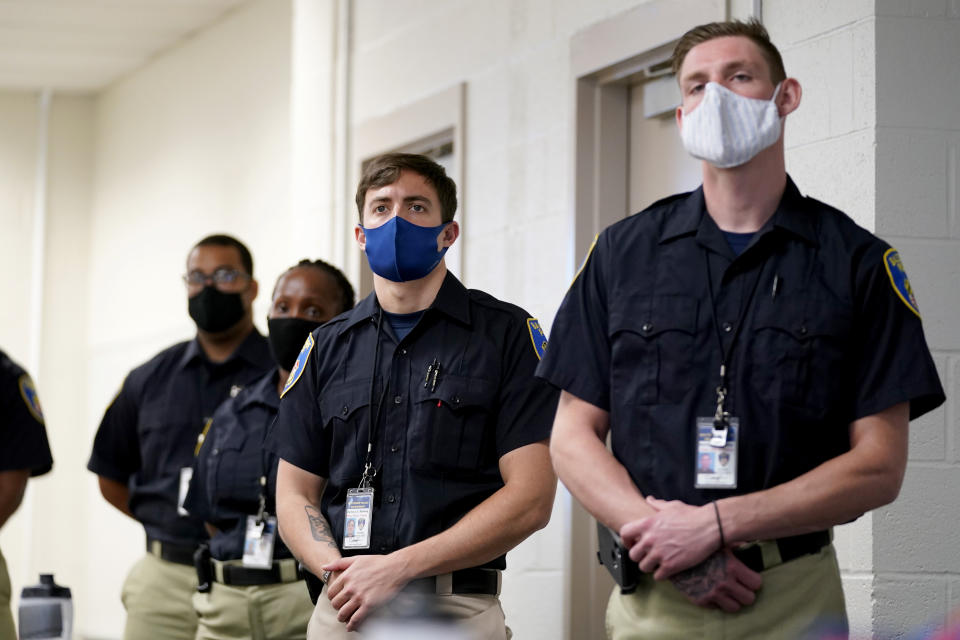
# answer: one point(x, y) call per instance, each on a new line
point(258, 542)
point(358, 519)
point(186, 473)
point(716, 466)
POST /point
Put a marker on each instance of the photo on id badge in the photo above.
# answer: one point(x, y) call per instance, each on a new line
point(715, 467)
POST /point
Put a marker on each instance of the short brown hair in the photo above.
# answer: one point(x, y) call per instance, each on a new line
point(384, 170)
point(751, 29)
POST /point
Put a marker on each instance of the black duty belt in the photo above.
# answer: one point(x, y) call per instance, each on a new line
point(463, 582)
point(789, 549)
point(176, 553)
point(286, 570)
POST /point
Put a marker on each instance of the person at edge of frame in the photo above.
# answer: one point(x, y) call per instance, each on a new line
point(811, 404)
point(143, 450)
point(249, 582)
point(417, 415)
point(24, 453)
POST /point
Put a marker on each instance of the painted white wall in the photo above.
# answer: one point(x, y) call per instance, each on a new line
point(195, 142)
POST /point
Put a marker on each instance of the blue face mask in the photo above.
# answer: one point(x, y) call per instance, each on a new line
point(400, 251)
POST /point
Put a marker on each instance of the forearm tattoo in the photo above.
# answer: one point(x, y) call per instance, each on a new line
point(698, 580)
point(319, 528)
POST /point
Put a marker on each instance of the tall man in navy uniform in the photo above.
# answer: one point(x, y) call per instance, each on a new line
point(418, 414)
point(24, 452)
point(741, 320)
point(143, 450)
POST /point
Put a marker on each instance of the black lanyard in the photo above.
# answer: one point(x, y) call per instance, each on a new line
point(720, 419)
point(264, 469)
point(369, 472)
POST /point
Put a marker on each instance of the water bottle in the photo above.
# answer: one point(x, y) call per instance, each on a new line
point(46, 611)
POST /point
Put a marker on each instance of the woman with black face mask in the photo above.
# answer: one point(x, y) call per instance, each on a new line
point(250, 586)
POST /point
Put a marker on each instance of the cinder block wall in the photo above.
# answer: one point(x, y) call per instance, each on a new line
point(916, 547)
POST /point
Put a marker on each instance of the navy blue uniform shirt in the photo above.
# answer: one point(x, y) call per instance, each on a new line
point(827, 338)
point(149, 431)
point(225, 487)
point(23, 437)
point(436, 448)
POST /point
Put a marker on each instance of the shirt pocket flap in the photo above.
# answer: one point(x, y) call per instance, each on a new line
point(650, 316)
point(342, 401)
point(458, 392)
point(800, 321)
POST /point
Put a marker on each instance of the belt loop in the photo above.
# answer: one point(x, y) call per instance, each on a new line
point(770, 551)
point(217, 570)
point(288, 570)
point(444, 584)
point(155, 548)
point(499, 581)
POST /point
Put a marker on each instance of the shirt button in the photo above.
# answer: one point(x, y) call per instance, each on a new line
point(345, 410)
point(391, 498)
point(647, 327)
point(456, 399)
point(394, 449)
point(403, 351)
point(803, 330)
point(397, 399)
point(216, 451)
point(383, 548)
point(727, 327)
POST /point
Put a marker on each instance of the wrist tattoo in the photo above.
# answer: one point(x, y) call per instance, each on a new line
point(698, 580)
point(319, 528)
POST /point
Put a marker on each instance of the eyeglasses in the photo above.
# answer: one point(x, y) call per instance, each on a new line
point(221, 278)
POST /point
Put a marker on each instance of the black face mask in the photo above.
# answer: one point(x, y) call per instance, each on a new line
point(215, 311)
point(287, 336)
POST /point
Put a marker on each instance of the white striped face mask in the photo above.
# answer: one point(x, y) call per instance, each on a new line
point(727, 129)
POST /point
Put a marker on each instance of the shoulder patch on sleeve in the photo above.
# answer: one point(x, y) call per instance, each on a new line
point(899, 280)
point(202, 437)
point(29, 394)
point(537, 337)
point(299, 365)
point(587, 257)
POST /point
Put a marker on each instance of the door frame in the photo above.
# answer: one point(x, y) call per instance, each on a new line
point(607, 58)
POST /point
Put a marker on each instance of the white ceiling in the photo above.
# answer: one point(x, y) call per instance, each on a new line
point(84, 45)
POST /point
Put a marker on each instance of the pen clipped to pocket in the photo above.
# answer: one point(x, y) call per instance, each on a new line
point(615, 558)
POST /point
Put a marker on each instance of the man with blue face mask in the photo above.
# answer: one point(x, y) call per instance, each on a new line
point(412, 432)
point(747, 324)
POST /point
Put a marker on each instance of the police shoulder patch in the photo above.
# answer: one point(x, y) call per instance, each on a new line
point(536, 337)
point(29, 394)
point(299, 365)
point(899, 280)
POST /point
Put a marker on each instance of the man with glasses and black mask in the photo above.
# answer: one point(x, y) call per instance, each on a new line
point(145, 444)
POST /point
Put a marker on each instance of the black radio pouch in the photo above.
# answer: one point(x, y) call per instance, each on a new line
point(201, 562)
point(615, 558)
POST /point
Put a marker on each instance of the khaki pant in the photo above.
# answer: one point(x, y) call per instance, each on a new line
point(260, 612)
point(7, 630)
point(481, 617)
point(157, 596)
point(797, 600)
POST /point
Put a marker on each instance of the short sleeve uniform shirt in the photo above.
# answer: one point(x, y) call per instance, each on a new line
point(830, 333)
point(23, 437)
point(149, 432)
point(225, 487)
point(439, 435)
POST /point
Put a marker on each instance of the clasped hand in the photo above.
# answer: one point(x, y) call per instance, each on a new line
point(681, 542)
point(359, 584)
